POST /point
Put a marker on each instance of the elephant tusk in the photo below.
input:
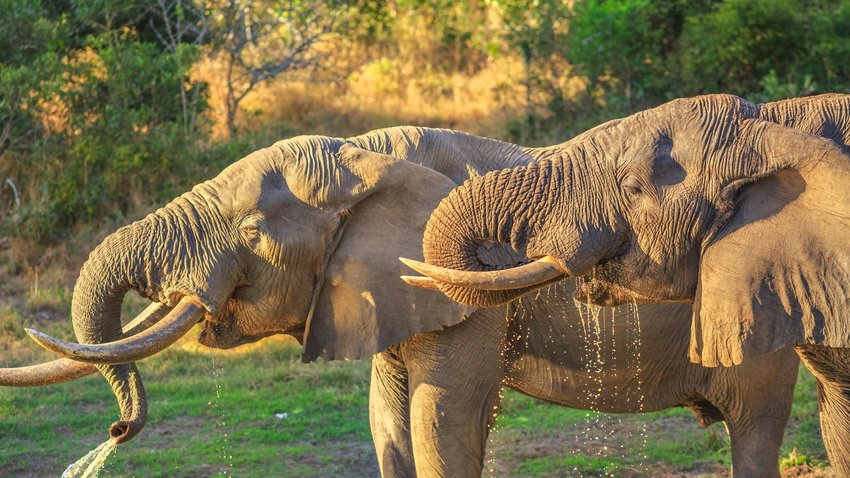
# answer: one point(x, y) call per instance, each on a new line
point(423, 282)
point(144, 344)
point(57, 371)
point(528, 275)
point(64, 369)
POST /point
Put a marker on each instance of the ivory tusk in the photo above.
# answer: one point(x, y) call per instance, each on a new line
point(423, 282)
point(534, 273)
point(144, 344)
point(64, 369)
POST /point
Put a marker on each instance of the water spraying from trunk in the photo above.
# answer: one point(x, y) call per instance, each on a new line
point(90, 465)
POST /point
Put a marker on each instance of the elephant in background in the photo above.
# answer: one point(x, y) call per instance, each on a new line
point(742, 210)
point(302, 238)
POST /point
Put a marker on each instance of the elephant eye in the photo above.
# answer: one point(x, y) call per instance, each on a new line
point(632, 190)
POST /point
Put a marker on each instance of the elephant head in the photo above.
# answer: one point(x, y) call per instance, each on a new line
point(300, 238)
point(709, 199)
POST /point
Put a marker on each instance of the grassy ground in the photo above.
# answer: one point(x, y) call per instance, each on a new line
point(260, 412)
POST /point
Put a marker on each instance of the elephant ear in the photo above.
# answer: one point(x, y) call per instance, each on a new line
point(778, 272)
point(363, 306)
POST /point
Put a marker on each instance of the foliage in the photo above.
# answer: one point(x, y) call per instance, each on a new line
point(615, 46)
point(108, 108)
point(100, 103)
point(761, 49)
point(736, 46)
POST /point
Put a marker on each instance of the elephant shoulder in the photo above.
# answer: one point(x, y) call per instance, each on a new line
point(826, 115)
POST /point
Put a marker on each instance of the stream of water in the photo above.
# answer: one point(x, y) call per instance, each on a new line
point(91, 464)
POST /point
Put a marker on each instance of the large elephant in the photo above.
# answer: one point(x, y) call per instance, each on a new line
point(302, 238)
point(741, 209)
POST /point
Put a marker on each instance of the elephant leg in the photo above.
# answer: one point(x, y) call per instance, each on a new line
point(755, 447)
point(389, 416)
point(455, 378)
point(831, 368)
point(755, 399)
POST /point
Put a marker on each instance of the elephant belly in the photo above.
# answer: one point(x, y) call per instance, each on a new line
point(613, 362)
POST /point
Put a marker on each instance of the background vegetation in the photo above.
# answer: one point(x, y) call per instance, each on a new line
point(109, 108)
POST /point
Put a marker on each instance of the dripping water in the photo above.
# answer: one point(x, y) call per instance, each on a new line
point(90, 465)
point(224, 445)
point(636, 343)
point(599, 429)
point(513, 313)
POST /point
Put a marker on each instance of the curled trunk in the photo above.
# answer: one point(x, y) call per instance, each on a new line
point(96, 311)
point(153, 256)
point(488, 224)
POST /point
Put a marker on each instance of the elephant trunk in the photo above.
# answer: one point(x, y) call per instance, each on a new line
point(552, 211)
point(156, 257)
point(115, 267)
point(488, 224)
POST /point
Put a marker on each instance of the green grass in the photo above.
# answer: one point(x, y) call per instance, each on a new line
point(536, 439)
point(210, 412)
point(213, 413)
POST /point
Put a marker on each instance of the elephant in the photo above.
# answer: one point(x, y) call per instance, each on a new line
point(302, 238)
point(741, 210)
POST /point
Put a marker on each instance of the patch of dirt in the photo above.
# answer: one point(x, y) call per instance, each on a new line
point(806, 471)
point(351, 459)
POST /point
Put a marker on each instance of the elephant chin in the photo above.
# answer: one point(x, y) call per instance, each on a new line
point(221, 335)
point(600, 292)
point(227, 334)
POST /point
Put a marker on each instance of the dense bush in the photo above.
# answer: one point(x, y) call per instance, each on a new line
point(761, 49)
point(94, 113)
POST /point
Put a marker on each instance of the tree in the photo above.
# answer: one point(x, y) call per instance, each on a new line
point(90, 102)
point(29, 69)
point(536, 30)
point(261, 40)
point(613, 44)
point(182, 26)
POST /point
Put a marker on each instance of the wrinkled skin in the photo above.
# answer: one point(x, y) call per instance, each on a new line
point(741, 209)
point(302, 238)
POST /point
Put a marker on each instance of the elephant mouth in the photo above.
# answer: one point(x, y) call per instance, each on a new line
point(221, 331)
point(608, 284)
point(603, 293)
point(225, 331)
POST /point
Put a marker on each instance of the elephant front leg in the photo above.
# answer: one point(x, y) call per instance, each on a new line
point(389, 416)
point(755, 399)
point(455, 378)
